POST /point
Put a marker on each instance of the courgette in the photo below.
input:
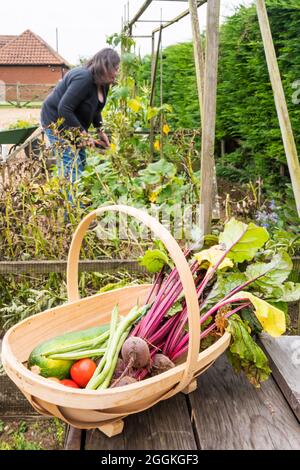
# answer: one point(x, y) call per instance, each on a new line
point(40, 363)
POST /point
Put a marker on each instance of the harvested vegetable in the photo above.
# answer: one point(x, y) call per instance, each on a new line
point(120, 367)
point(118, 334)
point(126, 380)
point(222, 292)
point(135, 353)
point(240, 289)
point(54, 357)
point(161, 363)
point(82, 371)
point(69, 383)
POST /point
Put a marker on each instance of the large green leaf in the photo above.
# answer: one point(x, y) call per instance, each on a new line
point(271, 318)
point(272, 274)
point(244, 354)
point(242, 240)
point(155, 172)
point(154, 260)
point(224, 285)
point(250, 319)
point(288, 292)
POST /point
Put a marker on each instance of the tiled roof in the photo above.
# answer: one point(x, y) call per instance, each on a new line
point(29, 49)
point(4, 38)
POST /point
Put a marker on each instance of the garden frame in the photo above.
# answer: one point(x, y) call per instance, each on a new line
point(206, 75)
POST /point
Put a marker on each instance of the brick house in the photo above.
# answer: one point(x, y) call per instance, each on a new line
point(27, 60)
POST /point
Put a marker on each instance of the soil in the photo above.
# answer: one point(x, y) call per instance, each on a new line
point(235, 199)
point(32, 434)
point(294, 314)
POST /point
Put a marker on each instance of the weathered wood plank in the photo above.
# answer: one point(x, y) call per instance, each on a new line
point(165, 426)
point(229, 413)
point(73, 438)
point(284, 356)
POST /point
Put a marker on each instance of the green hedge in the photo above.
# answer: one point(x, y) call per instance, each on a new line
point(246, 115)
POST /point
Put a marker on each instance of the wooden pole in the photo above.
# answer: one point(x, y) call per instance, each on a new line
point(154, 63)
point(209, 113)
point(200, 67)
point(151, 137)
point(280, 101)
point(161, 91)
point(179, 17)
point(198, 52)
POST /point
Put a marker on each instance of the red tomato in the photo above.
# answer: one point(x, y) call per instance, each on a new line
point(69, 383)
point(82, 371)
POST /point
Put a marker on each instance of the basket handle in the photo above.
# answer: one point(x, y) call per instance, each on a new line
point(179, 260)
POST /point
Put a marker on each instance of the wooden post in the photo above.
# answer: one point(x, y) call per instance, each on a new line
point(198, 52)
point(280, 101)
point(200, 67)
point(154, 64)
point(18, 95)
point(222, 147)
point(209, 113)
point(161, 91)
point(151, 137)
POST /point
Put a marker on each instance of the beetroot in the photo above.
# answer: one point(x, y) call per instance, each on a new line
point(126, 380)
point(161, 363)
point(135, 352)
point(120, 367)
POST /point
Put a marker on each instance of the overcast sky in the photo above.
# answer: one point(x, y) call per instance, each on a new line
point(84, 24)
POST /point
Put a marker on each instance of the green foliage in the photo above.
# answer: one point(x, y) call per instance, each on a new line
point(246, 114)
point(120, 39)
point(22, 124)
point(246, 239)
point(246, 110)
point(60, 431)
point(154, 260)
point(18, 440)
point(244, 354)
point(32, 301)
point(271, 274)
point(179, 84)
point(40, 434)
point(22, 296)
point(281, 239)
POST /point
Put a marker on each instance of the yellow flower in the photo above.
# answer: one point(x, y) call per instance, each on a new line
point(156, 145)
point(134, 105)
point(166, 129)
point(153, 194)
point(113, 147)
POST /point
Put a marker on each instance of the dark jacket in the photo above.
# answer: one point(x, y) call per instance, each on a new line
point(75, 99)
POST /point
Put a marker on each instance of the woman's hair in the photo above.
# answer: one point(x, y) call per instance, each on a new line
point(102, 64)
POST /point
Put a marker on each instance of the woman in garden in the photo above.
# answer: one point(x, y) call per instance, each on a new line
point(75, 103)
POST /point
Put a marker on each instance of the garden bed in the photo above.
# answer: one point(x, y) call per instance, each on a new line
point(33, 433)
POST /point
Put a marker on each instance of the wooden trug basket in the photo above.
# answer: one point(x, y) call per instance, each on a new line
point(104, 409)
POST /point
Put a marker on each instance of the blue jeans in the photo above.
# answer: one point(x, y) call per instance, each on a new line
point(69, 164)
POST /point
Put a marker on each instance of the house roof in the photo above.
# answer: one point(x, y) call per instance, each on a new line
point(28, 49)
point(4, 38)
